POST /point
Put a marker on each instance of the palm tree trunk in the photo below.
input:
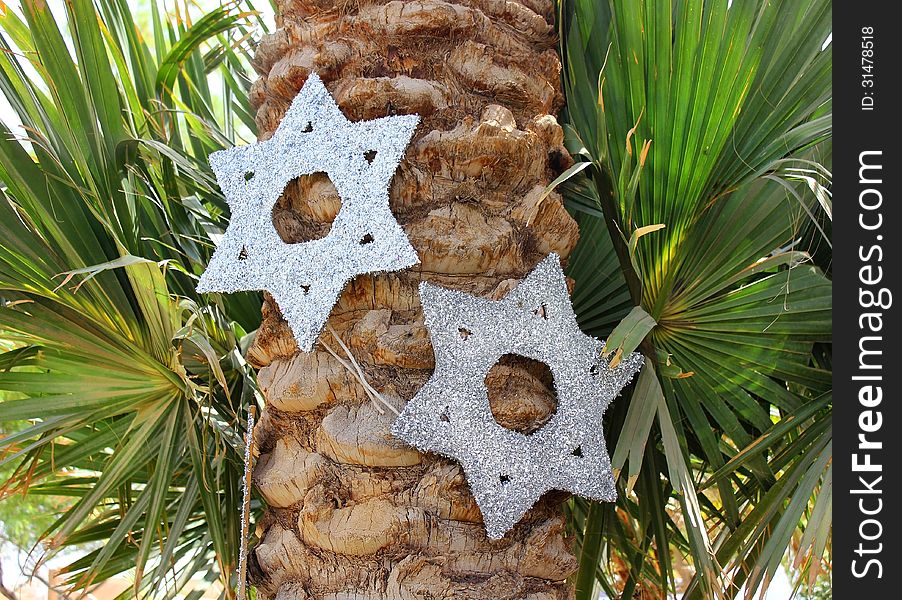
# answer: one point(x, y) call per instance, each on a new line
point(353, 513)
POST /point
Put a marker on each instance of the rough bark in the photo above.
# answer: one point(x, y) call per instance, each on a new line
point(353, 513)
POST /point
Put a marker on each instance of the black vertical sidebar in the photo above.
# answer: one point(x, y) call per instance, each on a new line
point(867, 262)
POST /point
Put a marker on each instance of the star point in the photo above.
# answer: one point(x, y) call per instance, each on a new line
point(306, 278)
point(508, 471)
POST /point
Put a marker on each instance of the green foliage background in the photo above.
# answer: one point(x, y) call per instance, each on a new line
point(131, 384)
point(703, 134)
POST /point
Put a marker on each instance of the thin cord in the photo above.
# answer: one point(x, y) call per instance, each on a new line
point(354, 369)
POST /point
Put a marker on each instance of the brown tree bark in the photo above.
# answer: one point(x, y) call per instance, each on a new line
point(354, 514)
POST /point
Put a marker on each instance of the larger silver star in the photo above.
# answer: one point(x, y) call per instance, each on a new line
point(508, 471)
point(306, 278)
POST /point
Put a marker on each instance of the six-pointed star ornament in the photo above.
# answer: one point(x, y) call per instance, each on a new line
point(306, 278)
point(508, 471)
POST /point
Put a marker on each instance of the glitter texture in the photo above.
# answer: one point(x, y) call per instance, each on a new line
point(508, 471)
point(306, 278)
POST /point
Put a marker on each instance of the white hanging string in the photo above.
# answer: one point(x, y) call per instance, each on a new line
point(355, 370)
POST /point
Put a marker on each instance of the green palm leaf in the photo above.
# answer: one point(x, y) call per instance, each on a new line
point(704, 118)
point(130, 384)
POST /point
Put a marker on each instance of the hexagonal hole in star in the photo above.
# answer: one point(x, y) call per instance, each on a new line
point(521, 393)
point(306, 209)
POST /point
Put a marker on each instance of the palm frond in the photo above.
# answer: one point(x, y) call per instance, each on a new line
point(707, 119)
point(133, 386)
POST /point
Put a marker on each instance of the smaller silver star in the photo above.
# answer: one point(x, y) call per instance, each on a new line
point(306, 278)
point(508, 471)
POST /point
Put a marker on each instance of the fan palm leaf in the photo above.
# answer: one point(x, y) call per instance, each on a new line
point(699, 117)
point(133, 386)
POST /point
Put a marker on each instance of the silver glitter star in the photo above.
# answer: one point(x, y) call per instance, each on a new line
point(508, 471)
point(306, 278)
